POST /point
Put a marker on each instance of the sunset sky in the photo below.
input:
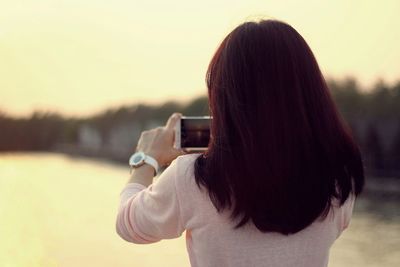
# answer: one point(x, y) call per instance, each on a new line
point(78, 57)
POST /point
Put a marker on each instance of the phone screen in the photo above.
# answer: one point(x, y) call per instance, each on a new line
point(195, 132)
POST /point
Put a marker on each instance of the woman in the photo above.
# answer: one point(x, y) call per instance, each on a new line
point(276, 186)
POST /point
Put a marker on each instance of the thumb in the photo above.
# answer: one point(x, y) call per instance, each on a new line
point(173, 119)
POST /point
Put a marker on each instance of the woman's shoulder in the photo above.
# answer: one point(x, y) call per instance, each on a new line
point(185, 162)
point(189, 156)
point(341, 213)
point(189, 193)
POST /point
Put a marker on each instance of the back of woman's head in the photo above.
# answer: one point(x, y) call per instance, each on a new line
point(279, 151)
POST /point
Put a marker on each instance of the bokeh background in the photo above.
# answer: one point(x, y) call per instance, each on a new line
point(81, 79)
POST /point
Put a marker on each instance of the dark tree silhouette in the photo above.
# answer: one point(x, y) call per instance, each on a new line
point(395, 151)
point(373, 150)
point(45, 130)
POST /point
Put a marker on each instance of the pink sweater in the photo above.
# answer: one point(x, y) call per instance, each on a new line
point(174, 203)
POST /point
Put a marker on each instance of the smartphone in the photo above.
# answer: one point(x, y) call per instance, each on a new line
point(192, 133)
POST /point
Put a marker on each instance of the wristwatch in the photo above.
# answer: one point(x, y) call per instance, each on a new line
point(139, 158)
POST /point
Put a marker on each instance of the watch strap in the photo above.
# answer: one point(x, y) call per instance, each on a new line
point(152, 162)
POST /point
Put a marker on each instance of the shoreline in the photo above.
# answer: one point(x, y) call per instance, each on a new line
point(380, 197)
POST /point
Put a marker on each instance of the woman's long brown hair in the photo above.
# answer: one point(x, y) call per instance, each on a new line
point(279, 150)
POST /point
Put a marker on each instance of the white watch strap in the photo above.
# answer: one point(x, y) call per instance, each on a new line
point(152, 162)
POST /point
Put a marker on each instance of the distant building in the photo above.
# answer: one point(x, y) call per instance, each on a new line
point(122, 139)
point(89, 138)
point(150, 124)
point(118, 142)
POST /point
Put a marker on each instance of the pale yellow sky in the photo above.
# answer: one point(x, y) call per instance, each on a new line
point(81, 56)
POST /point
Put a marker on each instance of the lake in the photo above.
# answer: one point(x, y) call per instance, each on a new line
point(58, 210)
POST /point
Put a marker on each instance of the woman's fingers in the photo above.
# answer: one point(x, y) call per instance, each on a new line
point(158, 142)
point(173, 119)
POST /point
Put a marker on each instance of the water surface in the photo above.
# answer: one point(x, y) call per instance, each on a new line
point(58, 210)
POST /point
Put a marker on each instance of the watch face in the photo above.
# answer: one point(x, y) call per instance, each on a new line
point(137, 159)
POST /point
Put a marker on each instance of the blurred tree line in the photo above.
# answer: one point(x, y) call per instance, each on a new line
point(373, 115)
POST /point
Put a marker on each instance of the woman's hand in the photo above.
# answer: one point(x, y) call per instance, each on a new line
point(159, 142)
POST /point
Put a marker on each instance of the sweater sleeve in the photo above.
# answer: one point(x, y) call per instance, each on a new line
point(147, 215)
